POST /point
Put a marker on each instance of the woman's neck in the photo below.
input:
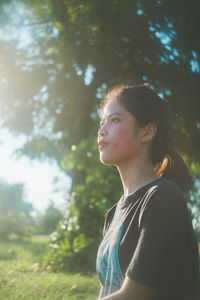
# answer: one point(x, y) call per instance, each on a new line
point(136, 174)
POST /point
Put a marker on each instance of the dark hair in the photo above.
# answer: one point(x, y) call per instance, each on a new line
point(146, 106)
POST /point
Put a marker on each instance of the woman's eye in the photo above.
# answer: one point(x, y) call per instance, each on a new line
point(114, 120)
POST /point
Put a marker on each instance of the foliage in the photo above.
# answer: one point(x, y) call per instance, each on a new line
point(15, 220)
point(12, 199)
point(15, 226)
point(46, 222)
point(194, 204)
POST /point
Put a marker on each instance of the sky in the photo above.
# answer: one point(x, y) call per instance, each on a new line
point(38, 177)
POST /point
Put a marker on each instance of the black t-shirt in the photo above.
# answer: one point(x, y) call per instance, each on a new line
point(149, 237)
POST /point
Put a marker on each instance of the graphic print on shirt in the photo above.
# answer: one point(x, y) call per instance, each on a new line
point(108, 267)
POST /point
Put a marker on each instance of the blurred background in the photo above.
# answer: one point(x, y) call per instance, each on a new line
point(57, 60)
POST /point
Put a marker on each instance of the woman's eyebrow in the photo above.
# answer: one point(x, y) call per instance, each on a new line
point(113, 114)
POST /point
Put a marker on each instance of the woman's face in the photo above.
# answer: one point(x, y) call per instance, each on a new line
point(119, 138)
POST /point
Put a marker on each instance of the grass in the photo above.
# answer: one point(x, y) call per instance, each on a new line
point(21, 275)
point(23, 278)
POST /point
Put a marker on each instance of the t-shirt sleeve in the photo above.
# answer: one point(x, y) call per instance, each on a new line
point(161, 239)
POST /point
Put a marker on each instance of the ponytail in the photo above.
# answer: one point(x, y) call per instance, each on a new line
point(174, 168)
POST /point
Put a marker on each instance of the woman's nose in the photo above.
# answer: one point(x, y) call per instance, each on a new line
point(101, 131)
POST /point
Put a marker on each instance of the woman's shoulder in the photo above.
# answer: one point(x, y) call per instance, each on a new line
point(165, 192)
point(163, 201)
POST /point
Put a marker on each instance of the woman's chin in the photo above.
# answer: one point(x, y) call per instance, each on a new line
point(106, 160)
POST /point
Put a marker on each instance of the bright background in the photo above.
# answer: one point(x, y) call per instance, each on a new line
point(43, 181)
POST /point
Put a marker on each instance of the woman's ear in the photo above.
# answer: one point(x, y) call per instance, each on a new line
point(149, 132)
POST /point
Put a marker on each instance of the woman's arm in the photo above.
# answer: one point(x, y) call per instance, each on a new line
point(101, 293)
point(132, 290)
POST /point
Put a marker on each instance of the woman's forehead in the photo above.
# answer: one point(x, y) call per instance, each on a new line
point(112, 107)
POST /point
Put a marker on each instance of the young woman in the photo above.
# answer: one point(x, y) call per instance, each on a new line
point(149, 249)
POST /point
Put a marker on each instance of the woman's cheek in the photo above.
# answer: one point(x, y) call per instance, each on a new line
point(122, 140)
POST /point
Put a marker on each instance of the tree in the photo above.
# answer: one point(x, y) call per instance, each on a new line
point(112, 41)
